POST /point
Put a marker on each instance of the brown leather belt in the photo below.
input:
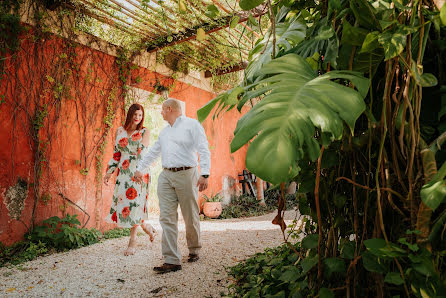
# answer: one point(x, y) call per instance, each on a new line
point(178, 169)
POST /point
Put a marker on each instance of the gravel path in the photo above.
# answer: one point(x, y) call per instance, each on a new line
point(101, 270)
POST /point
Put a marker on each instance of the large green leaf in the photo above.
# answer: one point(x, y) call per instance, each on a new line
point(394, 41)
point(362, 62)
point(225, 100)
point(380, 248)
point(365, 14)
point(325, 293)
point(211, 11)
point(323, 40)
point(443, 15)
point(308, 263)
point(332, 265)
point(284, 122)
point(249, 4)
point(434, 192)
point(371, 263)
point(353, 35)
point(348, 250)
point(207, 108)
point(290, 275)
point(288, 34)
point(422, 79)
point(394, 278)
point(370, 42)
point(310, 241)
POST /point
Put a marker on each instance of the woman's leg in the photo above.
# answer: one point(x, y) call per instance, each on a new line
point(132, 242)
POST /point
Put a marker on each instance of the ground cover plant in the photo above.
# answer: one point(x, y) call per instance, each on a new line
point(55, 234)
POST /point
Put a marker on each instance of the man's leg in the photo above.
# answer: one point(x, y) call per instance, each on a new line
point(168, 201)
point(187, 193)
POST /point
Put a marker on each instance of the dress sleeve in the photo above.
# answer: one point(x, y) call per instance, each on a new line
point(114, 161)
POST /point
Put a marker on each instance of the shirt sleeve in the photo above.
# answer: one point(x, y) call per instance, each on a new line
point(202, 148)
point(150, 157)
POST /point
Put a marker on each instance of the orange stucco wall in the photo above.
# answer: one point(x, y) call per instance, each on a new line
point(72, 131)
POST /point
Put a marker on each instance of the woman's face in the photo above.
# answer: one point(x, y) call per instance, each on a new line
point(137, 117)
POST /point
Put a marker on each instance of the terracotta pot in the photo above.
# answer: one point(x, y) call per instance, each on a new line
point(212, 209)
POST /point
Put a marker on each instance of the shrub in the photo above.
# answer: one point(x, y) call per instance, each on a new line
point(64, 233)
point(246, 206)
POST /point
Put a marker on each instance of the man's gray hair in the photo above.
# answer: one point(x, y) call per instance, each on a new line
point(173, 103)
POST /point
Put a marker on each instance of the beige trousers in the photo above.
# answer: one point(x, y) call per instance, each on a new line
point(178, 188)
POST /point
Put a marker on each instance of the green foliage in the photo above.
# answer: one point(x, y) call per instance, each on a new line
point(116, 233)
point(248, 206)
point(55, 234)
point(377, 174)
point(10, 29)
point(63, 233)
point(39, 118)
point(290, 269)
point(21, 252)
point(243, 206)
point(249, 4)
point(283, 272)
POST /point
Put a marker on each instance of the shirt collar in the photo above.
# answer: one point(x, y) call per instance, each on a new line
point(178, 119)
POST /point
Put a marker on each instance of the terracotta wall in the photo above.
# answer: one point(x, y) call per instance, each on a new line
point(73, 130)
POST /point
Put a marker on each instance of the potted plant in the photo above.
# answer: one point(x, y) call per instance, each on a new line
point(212, 206)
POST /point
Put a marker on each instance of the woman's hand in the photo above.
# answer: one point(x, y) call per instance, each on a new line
point(106, 178)
point(138, 177)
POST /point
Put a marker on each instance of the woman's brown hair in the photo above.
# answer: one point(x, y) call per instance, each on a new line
point(128, 121)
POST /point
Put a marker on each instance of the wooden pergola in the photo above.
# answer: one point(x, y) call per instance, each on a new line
point(165, 23)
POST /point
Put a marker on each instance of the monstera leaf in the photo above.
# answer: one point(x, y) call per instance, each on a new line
point(227, 100)
point(288, 34)
point(321, 39)
point(296, 101)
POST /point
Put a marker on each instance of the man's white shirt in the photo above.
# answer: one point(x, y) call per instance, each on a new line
point(178, 146)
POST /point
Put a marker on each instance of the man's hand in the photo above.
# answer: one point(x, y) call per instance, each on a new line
point(138, 176)
point(202, 183)
point(106, 178)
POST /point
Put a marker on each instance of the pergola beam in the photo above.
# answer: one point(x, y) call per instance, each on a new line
point(191, 33)
point(222, 71)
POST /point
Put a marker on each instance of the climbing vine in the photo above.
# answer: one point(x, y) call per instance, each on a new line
point(10, 30)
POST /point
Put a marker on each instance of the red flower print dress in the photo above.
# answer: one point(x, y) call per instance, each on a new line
point(129, 198)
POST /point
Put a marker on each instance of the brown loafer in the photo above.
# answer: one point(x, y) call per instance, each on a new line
point(193, 258)
point(166, 268)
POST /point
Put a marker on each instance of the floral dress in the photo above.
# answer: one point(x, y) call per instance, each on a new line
point(129, 198)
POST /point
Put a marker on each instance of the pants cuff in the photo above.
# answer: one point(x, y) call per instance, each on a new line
point(170, 260)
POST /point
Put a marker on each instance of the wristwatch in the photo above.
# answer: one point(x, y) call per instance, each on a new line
point(205, 176)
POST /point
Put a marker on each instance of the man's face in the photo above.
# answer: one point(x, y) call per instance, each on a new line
point(166, 111)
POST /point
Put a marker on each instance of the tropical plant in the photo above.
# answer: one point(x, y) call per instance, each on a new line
point(212, 198)
point(351, 112)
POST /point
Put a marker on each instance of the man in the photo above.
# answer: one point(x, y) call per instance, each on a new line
point(179, 182)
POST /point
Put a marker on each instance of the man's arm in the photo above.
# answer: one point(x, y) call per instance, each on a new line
point(147, 160)
point(202, 146)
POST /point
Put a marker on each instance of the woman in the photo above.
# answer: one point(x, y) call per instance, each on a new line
point(128, 209)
